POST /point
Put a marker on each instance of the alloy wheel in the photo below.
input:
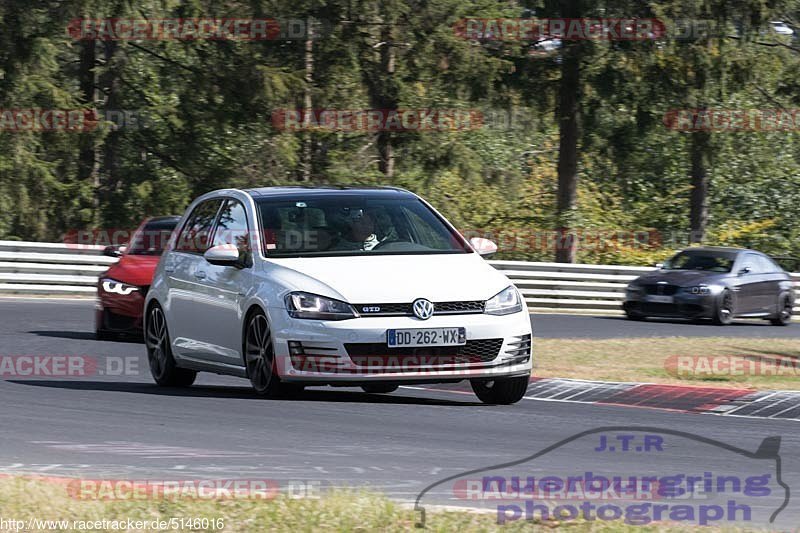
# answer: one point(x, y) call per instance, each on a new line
point(727, 305)
point(786, 311)
point(259, 354)
point(156, 342)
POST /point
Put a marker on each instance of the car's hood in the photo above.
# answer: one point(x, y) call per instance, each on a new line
point(134, 269)
point(682, 278)
point(393, 278)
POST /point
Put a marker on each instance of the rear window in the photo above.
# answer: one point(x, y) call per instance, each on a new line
point(196, 234)
point(152, 238)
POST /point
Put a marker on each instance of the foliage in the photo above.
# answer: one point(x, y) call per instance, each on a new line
point(207, 107)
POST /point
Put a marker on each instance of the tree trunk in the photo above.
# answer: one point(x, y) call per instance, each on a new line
point(568, 117)
point(388, 101)
point(698, 214)
point(111, 180)
point(307, 103)
point(87, 151)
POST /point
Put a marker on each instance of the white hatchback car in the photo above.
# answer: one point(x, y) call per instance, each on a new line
point(367, 287)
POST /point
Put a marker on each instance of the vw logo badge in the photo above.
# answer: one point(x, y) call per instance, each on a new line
point(423, 309)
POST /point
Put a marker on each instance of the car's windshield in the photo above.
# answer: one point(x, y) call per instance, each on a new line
point(353, 225)
point(152, 237)
point(701, 260)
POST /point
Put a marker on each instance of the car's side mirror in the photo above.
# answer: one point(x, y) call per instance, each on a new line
point(112, 251)
point(745, 270)
point(223, 255)
point(484, 247)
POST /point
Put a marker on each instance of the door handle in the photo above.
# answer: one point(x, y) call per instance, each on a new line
point(200, 274)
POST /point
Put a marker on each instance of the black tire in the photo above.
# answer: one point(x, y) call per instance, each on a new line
point(500, 391)
point(784, 317)
point(724, 309)
point(100, 333)
point(379, 388)
point(165, 371)
point(636, 317)
point(260, 361)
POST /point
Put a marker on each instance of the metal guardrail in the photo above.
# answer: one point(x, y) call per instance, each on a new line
point(49, 269)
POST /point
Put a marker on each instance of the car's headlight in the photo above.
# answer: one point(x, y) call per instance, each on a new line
point(700, 289)
point(504, 302)
point(315, 307)
point(118, 287)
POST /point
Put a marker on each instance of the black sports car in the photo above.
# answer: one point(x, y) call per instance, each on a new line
point(715, 283)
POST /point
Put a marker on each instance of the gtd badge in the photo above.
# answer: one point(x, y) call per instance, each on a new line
point(423, 309)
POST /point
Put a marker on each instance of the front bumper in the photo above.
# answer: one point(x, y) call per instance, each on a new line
point(684, 305)
point(355, 351)
point(116, 313)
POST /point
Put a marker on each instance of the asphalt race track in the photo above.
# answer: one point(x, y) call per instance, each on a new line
point(119, 425)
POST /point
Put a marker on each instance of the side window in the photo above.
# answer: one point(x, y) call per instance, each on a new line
point(196, 233)
point(232, 226)
point(778, 267)
point(754, 262)
point(767, 265)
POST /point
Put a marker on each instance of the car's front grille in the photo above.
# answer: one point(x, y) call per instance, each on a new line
point(383, 309)
point(458, 307)
point(660, 309)
point(405, 309)
point(367, 354)
point(666, 310)
point(665, 290)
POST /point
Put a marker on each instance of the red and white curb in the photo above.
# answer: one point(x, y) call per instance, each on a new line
point(671, 397)
point(784, 405)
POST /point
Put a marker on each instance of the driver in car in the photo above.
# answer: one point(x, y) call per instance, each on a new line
point(360, 232)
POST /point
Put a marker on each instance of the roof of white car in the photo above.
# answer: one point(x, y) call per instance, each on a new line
point(326, 190)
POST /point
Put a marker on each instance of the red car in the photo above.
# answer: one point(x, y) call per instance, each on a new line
point(122, 288)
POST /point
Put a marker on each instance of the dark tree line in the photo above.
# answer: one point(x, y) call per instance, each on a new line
point(575, 135)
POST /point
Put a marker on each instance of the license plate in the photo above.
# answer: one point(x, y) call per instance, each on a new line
point(402, 338)
point(656, 299)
